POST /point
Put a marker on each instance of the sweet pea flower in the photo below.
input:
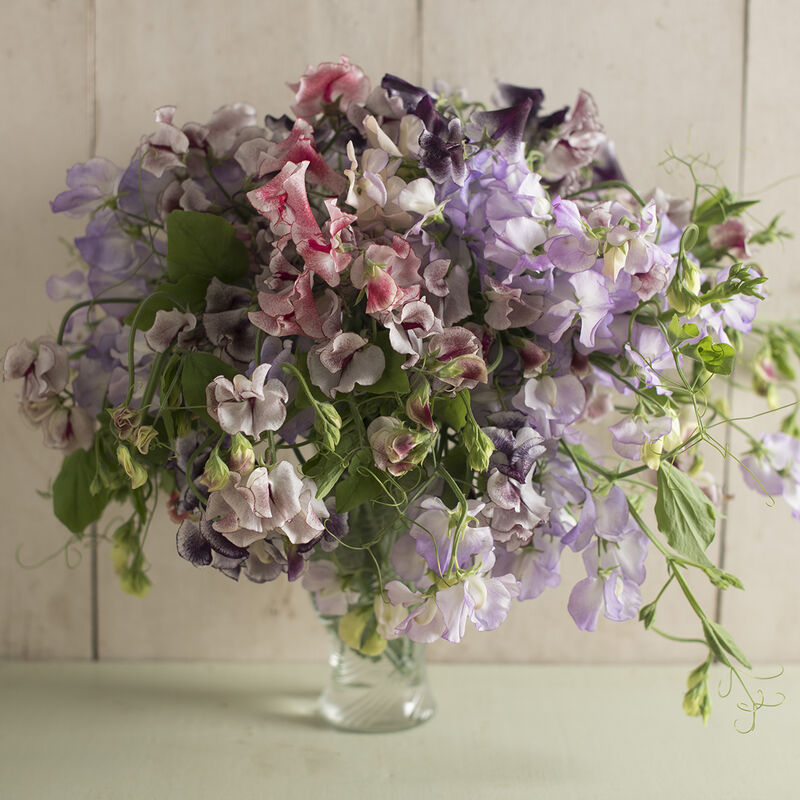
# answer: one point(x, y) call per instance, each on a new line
point(340, 83)
point(422, 621)
point(389, 274)
point(247, 405)
point(482, 599)
point(43, 366)
point(458, 358)
point(395, 448)
point(346, 360)
point(613, 583)
point(90, 185)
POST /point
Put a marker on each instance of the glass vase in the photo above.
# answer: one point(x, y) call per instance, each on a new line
point(378, 694)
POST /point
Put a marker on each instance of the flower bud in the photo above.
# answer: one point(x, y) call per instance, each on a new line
point(479, 446)
point(614, 260)
point(242, 457)
point(418, 406)
point(144, 437)
point(328, 424)
point(136, 472)
point(683, 294)
point(534, 358)
point(125, 421)
point(135, 582)
point(216, 473)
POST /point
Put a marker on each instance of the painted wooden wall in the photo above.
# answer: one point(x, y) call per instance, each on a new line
point(83, 76)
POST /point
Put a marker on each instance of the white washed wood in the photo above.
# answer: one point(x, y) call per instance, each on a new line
point(764, 545)
point(44, 129)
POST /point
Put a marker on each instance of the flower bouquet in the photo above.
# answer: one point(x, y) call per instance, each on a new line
point(410, 351)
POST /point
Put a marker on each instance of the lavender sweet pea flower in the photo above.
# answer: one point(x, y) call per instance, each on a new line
point(613, 583)
point(535, 567)
point(606, 517)
point(551, 403)
point(433, 531)
point(424, 622)
point(651, 354)
point(90, 185)
point(330, 598)
point(483, 600)
point(630, 435)
point(774, 468)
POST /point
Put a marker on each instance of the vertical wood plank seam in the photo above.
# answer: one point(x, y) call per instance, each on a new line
point(726, 468)
point(91, 114)
point(420, 39)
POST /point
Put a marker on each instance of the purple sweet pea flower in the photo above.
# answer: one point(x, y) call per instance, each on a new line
point(433, 531)
point(90, 185)
point(613, 583)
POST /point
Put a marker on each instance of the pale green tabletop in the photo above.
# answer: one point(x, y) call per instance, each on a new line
point(147, 730)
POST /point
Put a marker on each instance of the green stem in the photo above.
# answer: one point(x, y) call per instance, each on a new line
point(94, 301)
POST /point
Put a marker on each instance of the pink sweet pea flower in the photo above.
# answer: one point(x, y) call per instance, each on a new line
point(294, 310)
point(343, 83)
point(390, 275)
point(284, 202)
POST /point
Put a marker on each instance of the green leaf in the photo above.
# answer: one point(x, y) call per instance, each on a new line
point(189, 293)
point(204, 245)
point(717, 357)
point(199, 369)
point(682, 332)
point(720, 640)
point(450, 410)
point(684, 514)
point(73, 502)
point(394, 377)
point(360, 485)
point(324, 469)
point(720, 207)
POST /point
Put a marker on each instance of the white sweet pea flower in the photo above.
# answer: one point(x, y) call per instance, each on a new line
point(248, 406)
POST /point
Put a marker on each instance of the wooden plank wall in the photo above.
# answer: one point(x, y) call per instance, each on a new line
point(83, 76)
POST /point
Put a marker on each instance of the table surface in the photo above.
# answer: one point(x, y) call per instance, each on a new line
point(199, 730)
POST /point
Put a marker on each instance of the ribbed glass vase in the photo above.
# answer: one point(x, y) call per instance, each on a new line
point(379, 694)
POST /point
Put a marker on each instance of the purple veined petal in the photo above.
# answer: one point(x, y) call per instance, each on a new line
point(502, 491)
point(192, 545)
point(586, 603)
point(285, 489)
point(221, 544)
point(259, 571)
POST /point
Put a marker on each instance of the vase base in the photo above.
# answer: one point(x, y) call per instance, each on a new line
point(361, 710)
